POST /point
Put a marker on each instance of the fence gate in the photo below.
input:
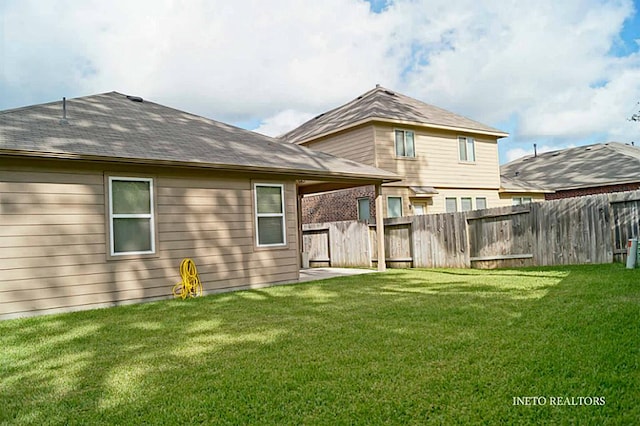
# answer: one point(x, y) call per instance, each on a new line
point(501, 237)
point(315, 242)
point(625, 210)
point(398, 243)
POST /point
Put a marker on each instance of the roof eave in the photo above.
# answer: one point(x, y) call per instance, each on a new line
point(498, 134)
point(503, 190)
point(599, 184)
point(367, 178)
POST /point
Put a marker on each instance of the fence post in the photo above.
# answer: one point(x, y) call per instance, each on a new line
point(382, 264)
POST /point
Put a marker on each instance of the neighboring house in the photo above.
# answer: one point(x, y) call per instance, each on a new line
point(573, 172)
point(447, 162)
point(99, 206)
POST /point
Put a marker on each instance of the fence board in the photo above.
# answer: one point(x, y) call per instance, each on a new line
point(625, 213)
point(592, 229)
point(440, 240)
point(350, 244)
point(498, 237)
point(315, 242)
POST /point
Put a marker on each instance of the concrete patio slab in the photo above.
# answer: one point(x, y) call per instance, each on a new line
point(314, 274)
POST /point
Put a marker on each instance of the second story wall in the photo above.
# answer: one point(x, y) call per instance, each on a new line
point(356, 144)
point(437, 160)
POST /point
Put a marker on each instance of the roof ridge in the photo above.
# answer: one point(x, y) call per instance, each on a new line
point(323, 114)
point(622, 148)
point(383, 104)
point(443, 109)
point(26, 107)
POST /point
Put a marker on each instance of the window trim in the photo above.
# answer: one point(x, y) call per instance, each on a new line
point(404, 143)
point(466, 149)
point(259, 215)
point(358, 207)
point(150, 215)
point(401, 206)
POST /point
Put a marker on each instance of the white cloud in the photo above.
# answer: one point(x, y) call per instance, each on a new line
point(282, 122)
point(238, 60)
point(546, 66)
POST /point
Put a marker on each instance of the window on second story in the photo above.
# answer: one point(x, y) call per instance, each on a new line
point(467, 149)
point(405, 145)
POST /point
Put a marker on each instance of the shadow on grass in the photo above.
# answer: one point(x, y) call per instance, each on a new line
point(391, 348)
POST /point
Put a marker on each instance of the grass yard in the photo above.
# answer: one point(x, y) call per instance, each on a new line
point(403, 347)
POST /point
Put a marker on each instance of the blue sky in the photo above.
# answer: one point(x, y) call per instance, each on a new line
point(557, 74)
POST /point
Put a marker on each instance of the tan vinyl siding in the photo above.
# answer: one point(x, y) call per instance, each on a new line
point(354, 144)
point(506, 198)
point(390, 191)
point(438, 206)
point(437, 159)
point(54, 241)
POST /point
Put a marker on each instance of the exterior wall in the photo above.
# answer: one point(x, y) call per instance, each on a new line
point(436, 164)
point(594, 190)
point(397, 191)
point(492, 196)
point(336, 205)
point(355, 144)
point(53, 237)
point(506, 198)
point(342, 205)
point(437, 160)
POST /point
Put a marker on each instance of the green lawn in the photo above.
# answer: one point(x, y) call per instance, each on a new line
point(403, 347)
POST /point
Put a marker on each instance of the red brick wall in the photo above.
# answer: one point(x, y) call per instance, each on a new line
point(337, 205)
point(593, 190)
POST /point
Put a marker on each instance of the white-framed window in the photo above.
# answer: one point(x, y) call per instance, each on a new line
point(465, 204)
point(521, 200)
point(364, 208)
point(131, 216)
point(467, 149)
point(481, 203)
point(450, 205)
point(405, 143)
point(269, 210)
point(394, 206)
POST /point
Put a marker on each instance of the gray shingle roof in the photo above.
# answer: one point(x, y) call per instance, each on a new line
point(581, 167)
point(111, 126)
point(384, 104)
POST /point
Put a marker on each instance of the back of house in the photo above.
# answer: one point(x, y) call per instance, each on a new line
point(447, 162)
point(102, 196)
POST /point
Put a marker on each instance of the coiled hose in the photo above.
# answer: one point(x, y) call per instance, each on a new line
point(190, 286)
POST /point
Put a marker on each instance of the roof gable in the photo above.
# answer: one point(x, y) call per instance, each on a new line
point(385, 105)
point(112, 126)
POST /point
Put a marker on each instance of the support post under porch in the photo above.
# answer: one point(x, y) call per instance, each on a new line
point(382, 264)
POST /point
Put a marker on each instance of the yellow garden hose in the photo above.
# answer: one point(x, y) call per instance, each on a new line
point(190, 286)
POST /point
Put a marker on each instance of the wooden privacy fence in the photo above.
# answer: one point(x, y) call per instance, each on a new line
point(591, 229)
